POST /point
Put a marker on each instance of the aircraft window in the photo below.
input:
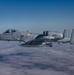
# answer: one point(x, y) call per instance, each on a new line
point(12, 31)
point(7, 31)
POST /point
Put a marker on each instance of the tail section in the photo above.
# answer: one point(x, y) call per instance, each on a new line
point(66, 36)
point(72, 37)
point(66, 33)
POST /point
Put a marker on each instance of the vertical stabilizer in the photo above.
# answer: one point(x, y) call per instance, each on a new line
point(72, 37)
point(66, 33)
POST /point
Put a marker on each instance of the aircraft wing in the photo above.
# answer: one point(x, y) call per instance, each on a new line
point(65, 40)
point(29, 36)
point(36, 42)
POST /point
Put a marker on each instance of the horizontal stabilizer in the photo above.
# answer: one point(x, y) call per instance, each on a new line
point(65, 40)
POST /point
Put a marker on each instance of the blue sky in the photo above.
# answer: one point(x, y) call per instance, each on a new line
point(36, 15)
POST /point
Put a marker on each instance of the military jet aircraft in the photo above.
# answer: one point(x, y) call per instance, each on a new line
point(11, 35)
point(33, 39)
point(48, 37)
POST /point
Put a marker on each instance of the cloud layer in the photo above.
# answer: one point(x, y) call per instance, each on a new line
point(17, 60)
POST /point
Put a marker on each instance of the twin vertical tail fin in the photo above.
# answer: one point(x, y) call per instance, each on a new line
point(72, 37)
point(66, 33)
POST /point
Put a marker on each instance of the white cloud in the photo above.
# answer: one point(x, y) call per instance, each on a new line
point(16, 60)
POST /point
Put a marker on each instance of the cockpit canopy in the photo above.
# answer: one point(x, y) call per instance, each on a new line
point(10, 31)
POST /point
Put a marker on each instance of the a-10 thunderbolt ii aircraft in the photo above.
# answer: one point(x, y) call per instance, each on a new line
point(34, 39)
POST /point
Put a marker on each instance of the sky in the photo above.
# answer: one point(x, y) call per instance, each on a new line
point(36, 15)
